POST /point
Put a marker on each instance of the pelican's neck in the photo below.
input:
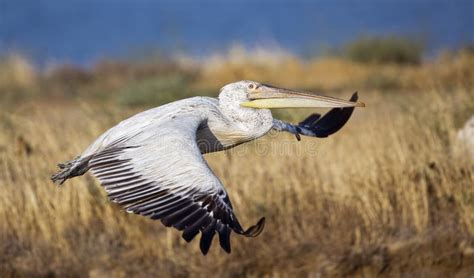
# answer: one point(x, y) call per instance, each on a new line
point(257, 121)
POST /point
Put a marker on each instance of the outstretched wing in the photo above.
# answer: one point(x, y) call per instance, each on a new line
point(159, 172)
point(329, 123)
point(317, 126)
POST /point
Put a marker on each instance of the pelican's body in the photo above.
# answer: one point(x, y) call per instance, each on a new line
point(152, 163)
point(217, 130)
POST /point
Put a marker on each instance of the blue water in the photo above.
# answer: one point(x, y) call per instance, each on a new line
point(83, 31)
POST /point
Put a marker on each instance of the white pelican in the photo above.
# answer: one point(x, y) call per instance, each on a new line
point(152, 164)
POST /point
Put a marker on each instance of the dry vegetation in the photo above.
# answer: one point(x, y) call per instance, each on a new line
point(387, 195)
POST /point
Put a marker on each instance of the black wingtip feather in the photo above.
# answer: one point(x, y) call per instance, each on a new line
point(190, 235)
point(355, 96)
point(224, 236)
point(191, 231)
point(178, 215)
point(334, 120)
point(207, 236)
point(310, 120)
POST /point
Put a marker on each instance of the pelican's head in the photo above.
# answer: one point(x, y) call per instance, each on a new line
point(251, 94)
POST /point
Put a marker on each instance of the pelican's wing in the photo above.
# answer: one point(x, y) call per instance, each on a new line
point(328, 124)
point(317, 126)
point(159, 172)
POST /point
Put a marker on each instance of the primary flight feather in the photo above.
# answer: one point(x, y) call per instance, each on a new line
point(151, 163)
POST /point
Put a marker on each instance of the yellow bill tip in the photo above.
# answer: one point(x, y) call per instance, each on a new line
point(249, 104)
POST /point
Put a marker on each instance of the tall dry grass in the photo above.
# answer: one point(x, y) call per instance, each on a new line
point(384, 196)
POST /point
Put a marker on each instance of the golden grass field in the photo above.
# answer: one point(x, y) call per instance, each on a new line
point(391, 194)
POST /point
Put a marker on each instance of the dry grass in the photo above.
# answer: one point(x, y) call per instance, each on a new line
point(384, 196)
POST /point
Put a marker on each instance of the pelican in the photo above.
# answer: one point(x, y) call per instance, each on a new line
point(152, 163)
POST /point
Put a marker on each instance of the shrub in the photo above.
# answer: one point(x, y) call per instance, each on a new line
point(385, 50)
point(156, 91)
point(18, 78)
point(382, 81)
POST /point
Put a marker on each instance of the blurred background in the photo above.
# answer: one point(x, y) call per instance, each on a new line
point(390, 194)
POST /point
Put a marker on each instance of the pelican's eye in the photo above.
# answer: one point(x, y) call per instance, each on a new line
point(251, 86)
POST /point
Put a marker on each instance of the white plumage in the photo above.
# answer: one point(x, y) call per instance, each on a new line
point(151, 163)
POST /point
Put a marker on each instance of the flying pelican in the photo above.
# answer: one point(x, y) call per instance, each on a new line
point(152, 163)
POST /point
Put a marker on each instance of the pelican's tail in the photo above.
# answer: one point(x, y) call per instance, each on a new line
point(73, 168)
